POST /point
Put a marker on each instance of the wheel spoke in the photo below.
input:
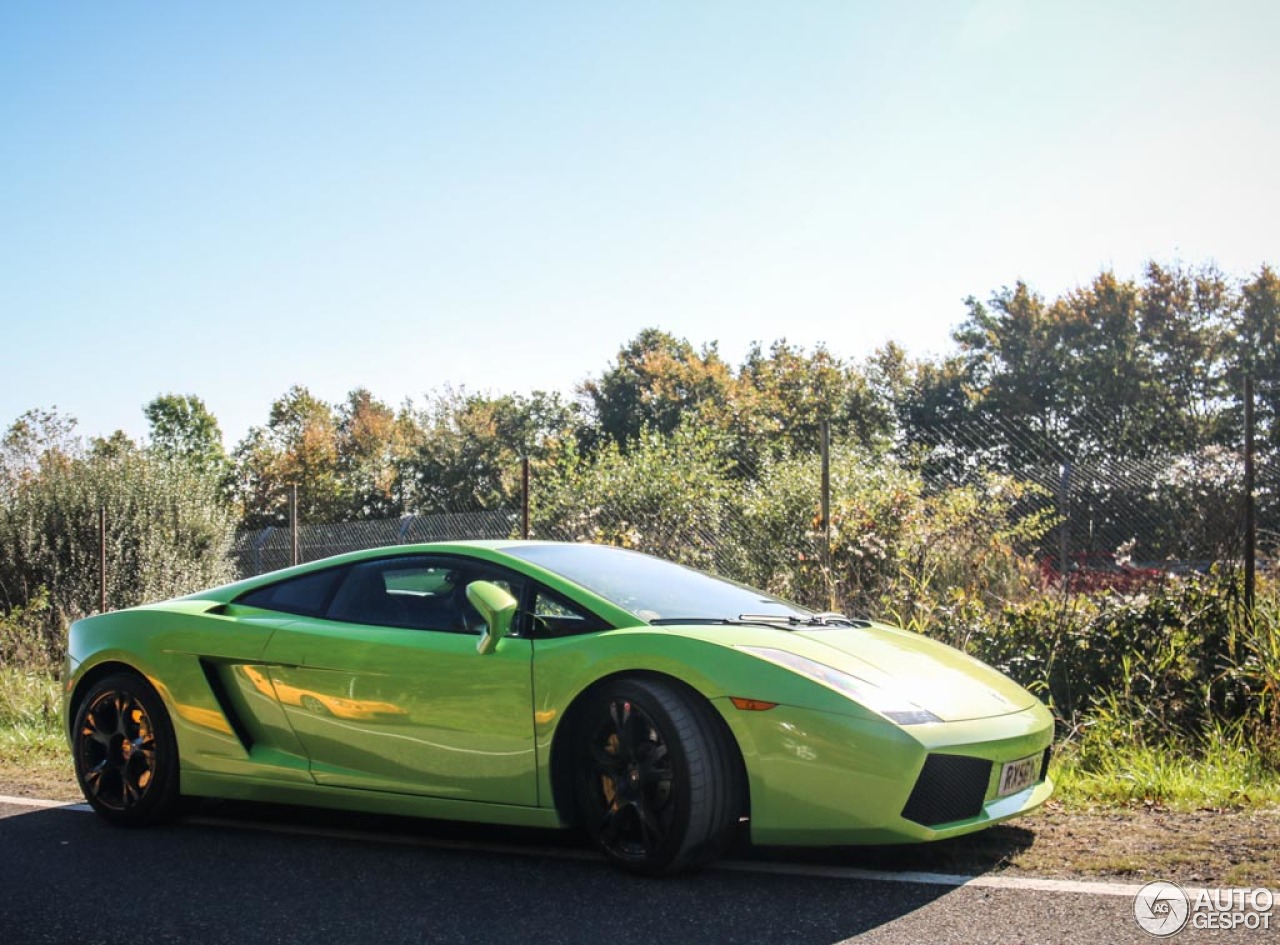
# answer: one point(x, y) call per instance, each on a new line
point(121, 706)
point(649, 830)
point(622, 724)
point(655, 765)
point(606, 761)
point(611, 823)
point(93, 777)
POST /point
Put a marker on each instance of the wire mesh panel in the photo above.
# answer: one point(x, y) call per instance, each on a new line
point(268, 549)
point(946, 506)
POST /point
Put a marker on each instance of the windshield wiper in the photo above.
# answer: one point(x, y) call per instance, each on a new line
point(826, 619)
point(668, 621)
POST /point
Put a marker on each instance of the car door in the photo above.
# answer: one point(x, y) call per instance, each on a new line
point(386, 690)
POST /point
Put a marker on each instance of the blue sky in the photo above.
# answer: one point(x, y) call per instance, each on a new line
point(229, 198)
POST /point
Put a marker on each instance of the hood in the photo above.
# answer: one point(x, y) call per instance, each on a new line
point(950, 684)
point(930, 675)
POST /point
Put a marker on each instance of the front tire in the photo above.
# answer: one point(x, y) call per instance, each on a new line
point(655, 781)
point(126, 756)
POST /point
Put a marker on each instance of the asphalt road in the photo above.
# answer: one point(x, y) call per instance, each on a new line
point(240, 874)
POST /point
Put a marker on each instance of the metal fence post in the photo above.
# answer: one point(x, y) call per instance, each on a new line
point(293, 524)
point(1250, 523)
point(524, 498)
point(1064, 530)
point(102, 559)
point(825, 445)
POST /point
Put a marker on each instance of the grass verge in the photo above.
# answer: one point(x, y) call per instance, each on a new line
point(33, 749)
point(1220, 773)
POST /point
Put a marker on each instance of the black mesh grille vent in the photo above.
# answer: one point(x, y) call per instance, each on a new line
point(950, 787)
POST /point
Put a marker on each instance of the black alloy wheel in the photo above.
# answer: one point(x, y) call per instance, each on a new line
point(125, 752)
point(657, 787)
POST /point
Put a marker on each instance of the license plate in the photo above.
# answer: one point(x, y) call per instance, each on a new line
point(1016, 775)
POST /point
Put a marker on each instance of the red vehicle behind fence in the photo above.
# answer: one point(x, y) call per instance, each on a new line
point(1098, 571)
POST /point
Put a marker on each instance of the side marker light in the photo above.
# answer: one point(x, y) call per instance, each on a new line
point(752, 705)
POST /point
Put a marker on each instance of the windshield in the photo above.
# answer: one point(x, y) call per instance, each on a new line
point(651, 588)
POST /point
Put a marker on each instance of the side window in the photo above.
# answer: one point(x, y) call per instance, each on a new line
point(419, 593)
point(554, 616)
point(308, 595)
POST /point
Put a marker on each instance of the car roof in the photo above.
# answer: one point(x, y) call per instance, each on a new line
point(227, 592)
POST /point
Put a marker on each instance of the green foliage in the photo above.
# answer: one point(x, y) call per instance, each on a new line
point(1164, 663)
point(655, 383)
point(669, 496)
point(24, 641)
point(773, 406)
point(1255, 348)
point(167, 533)
point(1221, 769)
point(1113, 366)
point(29, 698)
point(897, 550)
point(466, 449)
point(297, 447)
point(182, 428)
point(33, 743)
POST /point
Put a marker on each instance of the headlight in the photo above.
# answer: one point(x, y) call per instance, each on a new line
point(891, 705)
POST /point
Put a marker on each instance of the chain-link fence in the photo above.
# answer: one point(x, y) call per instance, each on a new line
point(979, 505)
point(268, 549)
point(1166, 510)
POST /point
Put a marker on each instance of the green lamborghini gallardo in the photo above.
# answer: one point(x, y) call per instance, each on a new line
point(660, 709)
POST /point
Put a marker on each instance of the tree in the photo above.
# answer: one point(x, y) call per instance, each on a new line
point(37, 436)
point(297, 447)
point(656, 381)
point(182, 427)
point(791, 392)
point(372, 440)
point(1186, 319)
point(1012, 364)
point(1112, 368)
point(1257, 351)
point(466, 448)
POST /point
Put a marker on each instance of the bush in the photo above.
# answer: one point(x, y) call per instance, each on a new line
point(664, 495)
point(168, 533)
point(24, 640)
point(929, 561)
point(1169, 665)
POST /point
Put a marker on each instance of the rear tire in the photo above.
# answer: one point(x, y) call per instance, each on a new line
point(655, 779)
point(126, 756)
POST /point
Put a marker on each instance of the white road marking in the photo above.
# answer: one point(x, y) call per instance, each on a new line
point(1027, 883)
point(42, 803)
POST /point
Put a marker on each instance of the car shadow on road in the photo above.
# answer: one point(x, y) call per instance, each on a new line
point(239, 872)
point(971, 855)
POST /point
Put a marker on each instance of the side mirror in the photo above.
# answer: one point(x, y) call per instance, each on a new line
point(497, 607)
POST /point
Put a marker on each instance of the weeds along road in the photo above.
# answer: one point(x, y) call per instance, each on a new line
point(251, 875)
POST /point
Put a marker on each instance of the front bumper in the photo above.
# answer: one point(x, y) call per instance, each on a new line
point(818, 778)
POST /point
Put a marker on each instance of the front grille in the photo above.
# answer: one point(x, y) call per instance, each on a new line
point(950, 788)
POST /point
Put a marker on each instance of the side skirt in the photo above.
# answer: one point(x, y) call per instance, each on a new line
point(231, 787)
